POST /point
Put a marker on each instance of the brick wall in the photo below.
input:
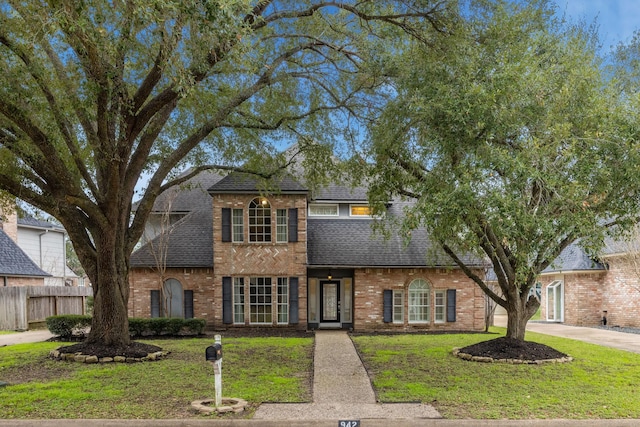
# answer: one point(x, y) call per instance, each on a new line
point(24, 281)
point(369, 285)
point(621, 297)
point(583, 297)
point(9, 223)
point(199, 280)
point(260, 259)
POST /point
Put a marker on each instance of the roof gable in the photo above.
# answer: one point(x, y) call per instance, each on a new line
point(14, 262)
point(246, 183)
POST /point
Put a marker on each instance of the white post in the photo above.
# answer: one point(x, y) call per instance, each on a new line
point(217, 372)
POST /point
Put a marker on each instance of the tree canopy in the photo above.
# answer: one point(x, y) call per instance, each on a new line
point(96, 92)
point(511, 141)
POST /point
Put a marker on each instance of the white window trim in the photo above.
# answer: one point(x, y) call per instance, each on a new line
point(335, 205)
point(436, 306)
point(234, 225)
point(285, 225)
point(394, 306)
point(258, 304)
point(427, 291)
point(359, 205)
point(237, 304)
point(282, 305)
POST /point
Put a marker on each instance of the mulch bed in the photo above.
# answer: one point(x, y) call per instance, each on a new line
point(509, 348)
point(135, 349)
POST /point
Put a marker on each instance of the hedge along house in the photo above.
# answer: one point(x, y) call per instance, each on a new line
point(286, 258)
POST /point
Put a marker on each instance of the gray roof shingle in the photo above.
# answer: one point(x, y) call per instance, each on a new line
point(190, 243)
point(29, 221)
point(574, 258)
point(353, 243)
point(14, 262)
point(245, 183)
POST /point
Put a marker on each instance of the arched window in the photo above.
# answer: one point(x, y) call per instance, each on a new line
point(259, 220)
point(419, 301)
point(173, 304)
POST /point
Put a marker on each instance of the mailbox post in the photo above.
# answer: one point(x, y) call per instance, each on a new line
point(213, 354)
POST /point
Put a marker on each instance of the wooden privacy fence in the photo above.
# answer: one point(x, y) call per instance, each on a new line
point(21, 306)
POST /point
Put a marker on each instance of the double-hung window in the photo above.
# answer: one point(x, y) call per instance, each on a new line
point(440, 306)
point(260, 300)
point(238, 300)
point(281, 226)
point(418, 301)
point(283, 300)
point(398, 306)
point(237, 223)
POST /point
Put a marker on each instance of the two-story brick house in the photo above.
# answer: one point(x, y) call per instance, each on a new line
point(286, 258)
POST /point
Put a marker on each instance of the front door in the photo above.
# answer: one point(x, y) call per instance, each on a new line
point(330, 301)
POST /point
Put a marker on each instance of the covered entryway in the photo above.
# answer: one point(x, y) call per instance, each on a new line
point(330, 299)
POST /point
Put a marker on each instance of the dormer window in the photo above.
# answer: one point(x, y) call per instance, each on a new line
point(321, 209)
point(360, 210)
point(259, 220)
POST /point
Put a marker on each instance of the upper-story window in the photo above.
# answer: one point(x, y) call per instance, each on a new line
point(237, 223)
point(281, 226)
point(360, 210)
point(259, 220)
point(321, 209)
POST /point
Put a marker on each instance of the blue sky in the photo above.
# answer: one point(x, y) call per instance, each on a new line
point(617, 19)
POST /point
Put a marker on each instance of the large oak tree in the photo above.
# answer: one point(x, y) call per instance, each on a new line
point(511, 142)
point(96, 93)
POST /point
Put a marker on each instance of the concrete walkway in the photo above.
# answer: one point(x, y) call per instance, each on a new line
point(604, 337)
point(341, 389)
point(37, 335)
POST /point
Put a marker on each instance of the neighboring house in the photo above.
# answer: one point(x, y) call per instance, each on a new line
point(16, 268)
point(243, 257)
point(44, 244)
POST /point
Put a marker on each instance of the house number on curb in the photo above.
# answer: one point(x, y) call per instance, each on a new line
point(349, 423)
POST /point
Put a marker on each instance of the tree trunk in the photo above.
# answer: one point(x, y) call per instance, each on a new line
point(110, 323)
point(518, 314)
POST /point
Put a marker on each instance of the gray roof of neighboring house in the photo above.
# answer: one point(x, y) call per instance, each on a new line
point(245, 183)
point(14, 262)
point(190, 243)
point(574, 258)
point(30, 221)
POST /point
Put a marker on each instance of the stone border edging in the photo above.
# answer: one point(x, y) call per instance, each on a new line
point(466, 356)
point(230, 404)
point(83, 358)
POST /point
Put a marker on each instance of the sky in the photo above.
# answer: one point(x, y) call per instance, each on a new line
point(617, 19)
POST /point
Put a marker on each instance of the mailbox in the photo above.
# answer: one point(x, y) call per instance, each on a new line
point(214, 352)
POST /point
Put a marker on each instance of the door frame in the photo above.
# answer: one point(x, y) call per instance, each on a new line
point(322, 283)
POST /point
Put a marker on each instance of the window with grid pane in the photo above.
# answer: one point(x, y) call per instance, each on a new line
point(418, 301)
point(398, 306)
point(281, 226)
point(283, 300)
point(238, 300)
point(237, 222)
point(259, 220)
point(439, 306)
point(260, 300)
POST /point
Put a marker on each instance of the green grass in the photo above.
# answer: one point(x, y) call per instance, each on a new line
point(7, 332)
point(255, 369)
point(599, 383)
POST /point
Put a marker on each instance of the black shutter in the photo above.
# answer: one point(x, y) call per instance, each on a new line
point(451, 305)
point(293, 225)
point(294, 317)
point(387, 305)
point(155, 303)
point(188, 304)
point(226, 224)
point(227, 300)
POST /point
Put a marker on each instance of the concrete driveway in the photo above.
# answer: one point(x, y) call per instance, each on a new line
point(605, 337)
point(37, 335)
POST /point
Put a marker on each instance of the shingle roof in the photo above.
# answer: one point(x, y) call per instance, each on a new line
point(190, 196)
point(353, 243)
point(14, 262)
point(29, 221)
point(245, 183)
point(573, 258)
point(190, 243)
point(336, 192)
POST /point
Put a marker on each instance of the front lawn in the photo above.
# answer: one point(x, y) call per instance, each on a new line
point(599, 383)
point(258, 369)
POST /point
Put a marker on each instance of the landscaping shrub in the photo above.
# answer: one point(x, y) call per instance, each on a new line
point(68, 325)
